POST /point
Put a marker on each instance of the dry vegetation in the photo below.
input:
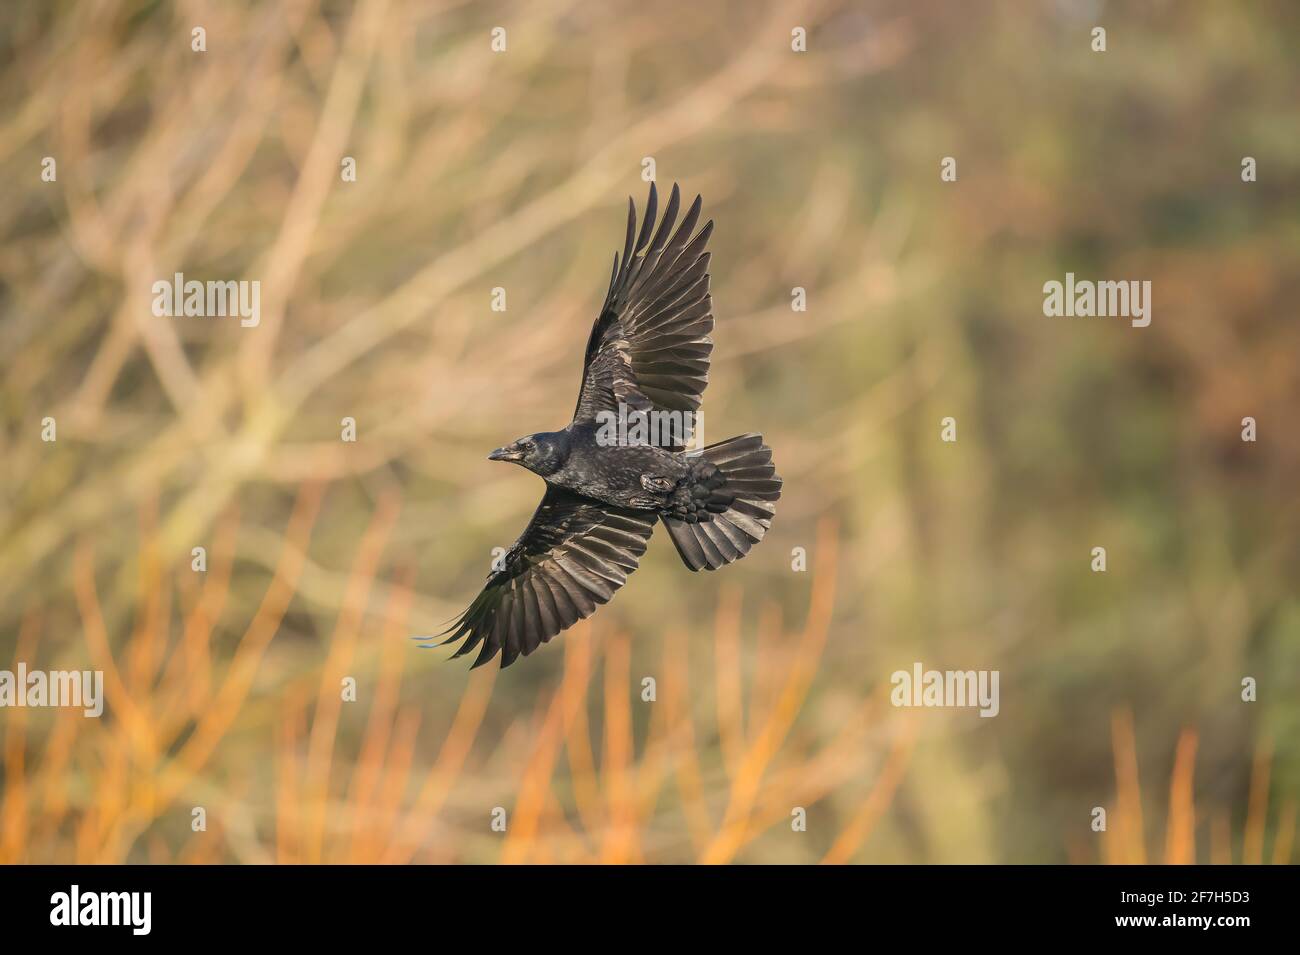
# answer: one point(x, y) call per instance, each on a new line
point(478, 171)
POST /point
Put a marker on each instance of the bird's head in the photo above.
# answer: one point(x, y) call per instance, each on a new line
point(542, 454)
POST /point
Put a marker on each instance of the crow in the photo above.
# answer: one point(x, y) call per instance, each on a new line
point(607, 486)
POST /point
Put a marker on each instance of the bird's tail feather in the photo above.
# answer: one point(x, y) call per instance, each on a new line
point(746, 462)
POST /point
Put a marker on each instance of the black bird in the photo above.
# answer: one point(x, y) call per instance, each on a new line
point(648, 356)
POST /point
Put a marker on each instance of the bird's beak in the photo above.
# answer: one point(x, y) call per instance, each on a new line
point(506, 454)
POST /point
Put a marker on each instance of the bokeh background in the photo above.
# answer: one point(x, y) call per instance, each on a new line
point(478, 170)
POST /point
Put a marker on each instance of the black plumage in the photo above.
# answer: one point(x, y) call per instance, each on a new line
point(648, 354)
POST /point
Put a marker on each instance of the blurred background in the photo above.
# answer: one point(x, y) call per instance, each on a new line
point(478, 170)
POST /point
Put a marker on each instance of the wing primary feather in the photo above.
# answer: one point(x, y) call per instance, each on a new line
point(648, 222)
point(627, 242)
point(513, 627)
point(666, 226)
point(649, 259)
point(547, 612)
point(676, 250)
point(613, 283)
point(486, 654)
point(534, 628)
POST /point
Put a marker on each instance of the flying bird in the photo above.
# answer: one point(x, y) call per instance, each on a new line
point(648, 355)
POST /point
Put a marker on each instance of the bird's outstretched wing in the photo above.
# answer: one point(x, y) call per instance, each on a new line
point(649, 349)
point(570, 559)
